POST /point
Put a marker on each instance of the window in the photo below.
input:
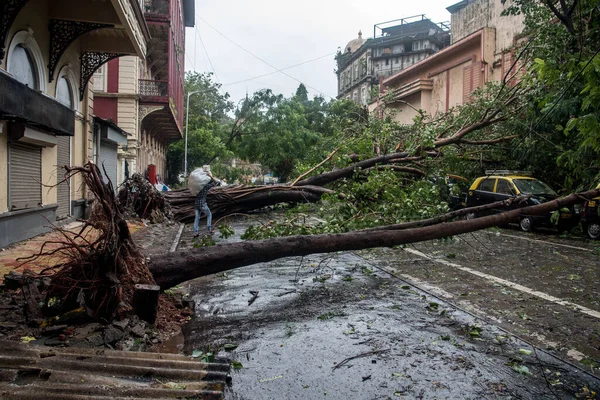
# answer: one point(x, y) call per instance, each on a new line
point(22, 67)
point(503, 187)
point(387, 61)
point(100, 80)
point(487, 185)
point(397, 60)
point(64, 92)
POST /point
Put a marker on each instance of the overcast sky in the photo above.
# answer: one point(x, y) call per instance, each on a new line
point(286, 33)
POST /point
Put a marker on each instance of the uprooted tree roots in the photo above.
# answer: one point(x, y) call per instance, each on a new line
point(103, 263)
point(140, 196)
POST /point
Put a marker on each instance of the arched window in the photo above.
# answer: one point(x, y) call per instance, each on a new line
point(22, 67)
point(64, 92)
point(25, 61)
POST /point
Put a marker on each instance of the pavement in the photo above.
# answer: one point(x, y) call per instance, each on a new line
point(13, 257)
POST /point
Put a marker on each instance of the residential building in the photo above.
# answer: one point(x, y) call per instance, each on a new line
point(49, 50)
point(481, 51)
point(53, 114)
point(395, 45)
point(143, 98)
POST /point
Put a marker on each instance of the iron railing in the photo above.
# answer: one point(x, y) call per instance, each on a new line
point(153, 88)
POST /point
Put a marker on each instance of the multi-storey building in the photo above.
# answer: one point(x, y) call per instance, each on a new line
point(395, 45)
point(481, 51)
point(144, 97)
point(49, 51)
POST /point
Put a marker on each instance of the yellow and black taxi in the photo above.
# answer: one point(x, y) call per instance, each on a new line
point(502, 184)
point(590, 218)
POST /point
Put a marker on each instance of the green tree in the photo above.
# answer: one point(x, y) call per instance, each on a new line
point(565, 82)
point(207, 124)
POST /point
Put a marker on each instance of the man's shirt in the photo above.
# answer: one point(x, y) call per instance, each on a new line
point(201, 197)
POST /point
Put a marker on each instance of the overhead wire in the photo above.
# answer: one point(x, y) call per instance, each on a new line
point(261, 59)
point(275, 72)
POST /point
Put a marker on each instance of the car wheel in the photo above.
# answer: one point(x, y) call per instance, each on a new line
point(593, 230)
point(526, 224)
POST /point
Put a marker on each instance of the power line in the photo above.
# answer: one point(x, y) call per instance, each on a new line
point(260, 59)
point(275, 72)
point(212, 67)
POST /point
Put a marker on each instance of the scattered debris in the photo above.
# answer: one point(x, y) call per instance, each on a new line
point(368, 353)
point(254, 294)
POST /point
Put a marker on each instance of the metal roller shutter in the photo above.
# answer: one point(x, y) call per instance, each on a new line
point(63, 195)
point(24, 176)
point(108, 159)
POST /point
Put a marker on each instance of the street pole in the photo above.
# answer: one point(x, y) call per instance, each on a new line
point(187, 118)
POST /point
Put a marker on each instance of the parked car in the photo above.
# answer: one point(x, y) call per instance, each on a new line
point(457, 190)
point(590, 218)
point(501, 185)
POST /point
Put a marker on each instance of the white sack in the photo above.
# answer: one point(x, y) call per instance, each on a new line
point(197, 180)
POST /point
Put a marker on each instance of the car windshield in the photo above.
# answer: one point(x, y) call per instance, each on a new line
point(533, 186)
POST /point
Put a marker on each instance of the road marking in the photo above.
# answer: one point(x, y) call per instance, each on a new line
point(541, 241)
point(177, 237)
point(516, 286)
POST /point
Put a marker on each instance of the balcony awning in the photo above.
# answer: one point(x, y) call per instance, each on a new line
point(110, 132)
point(20, 103)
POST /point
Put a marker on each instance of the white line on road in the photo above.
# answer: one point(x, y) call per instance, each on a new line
point(541, 241)
point(177, 237)
point(509, 284)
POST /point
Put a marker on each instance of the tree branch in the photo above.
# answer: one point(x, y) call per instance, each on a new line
point(315, 167)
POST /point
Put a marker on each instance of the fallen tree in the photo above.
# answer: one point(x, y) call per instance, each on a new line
point(241, 199)
point(175, 268)
point(103, 264)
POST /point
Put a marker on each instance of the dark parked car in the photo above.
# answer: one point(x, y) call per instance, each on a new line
point(501, 185)
point(590, 218)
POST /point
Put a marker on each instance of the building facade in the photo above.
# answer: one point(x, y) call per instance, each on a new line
point(143, 97)
point(50, 115)
point(393, 48)
point(49, 50)
point(481, 51)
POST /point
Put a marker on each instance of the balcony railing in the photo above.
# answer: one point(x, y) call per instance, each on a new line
point(153, 88)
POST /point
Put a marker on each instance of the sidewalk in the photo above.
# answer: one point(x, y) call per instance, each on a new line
point(11, 257)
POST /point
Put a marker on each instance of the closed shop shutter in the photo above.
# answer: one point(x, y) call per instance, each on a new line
point(63, 195)
point(467, 84)
point(108, 162)
point(25, 176)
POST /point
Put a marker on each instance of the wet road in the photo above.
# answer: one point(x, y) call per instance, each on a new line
point(353, 325)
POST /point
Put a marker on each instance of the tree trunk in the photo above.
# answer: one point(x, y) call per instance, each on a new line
point(241, 199)
point(175, 268)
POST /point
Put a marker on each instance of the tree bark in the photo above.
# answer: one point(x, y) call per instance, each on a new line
point(172, 269)
point(241, 199)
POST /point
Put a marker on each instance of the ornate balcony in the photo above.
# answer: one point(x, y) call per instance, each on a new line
point(154, 91)
point(158, 99)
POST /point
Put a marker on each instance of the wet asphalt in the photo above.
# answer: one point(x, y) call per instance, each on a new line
point(348, 326)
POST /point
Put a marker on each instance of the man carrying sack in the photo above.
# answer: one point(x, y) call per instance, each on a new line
point(201, 206)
